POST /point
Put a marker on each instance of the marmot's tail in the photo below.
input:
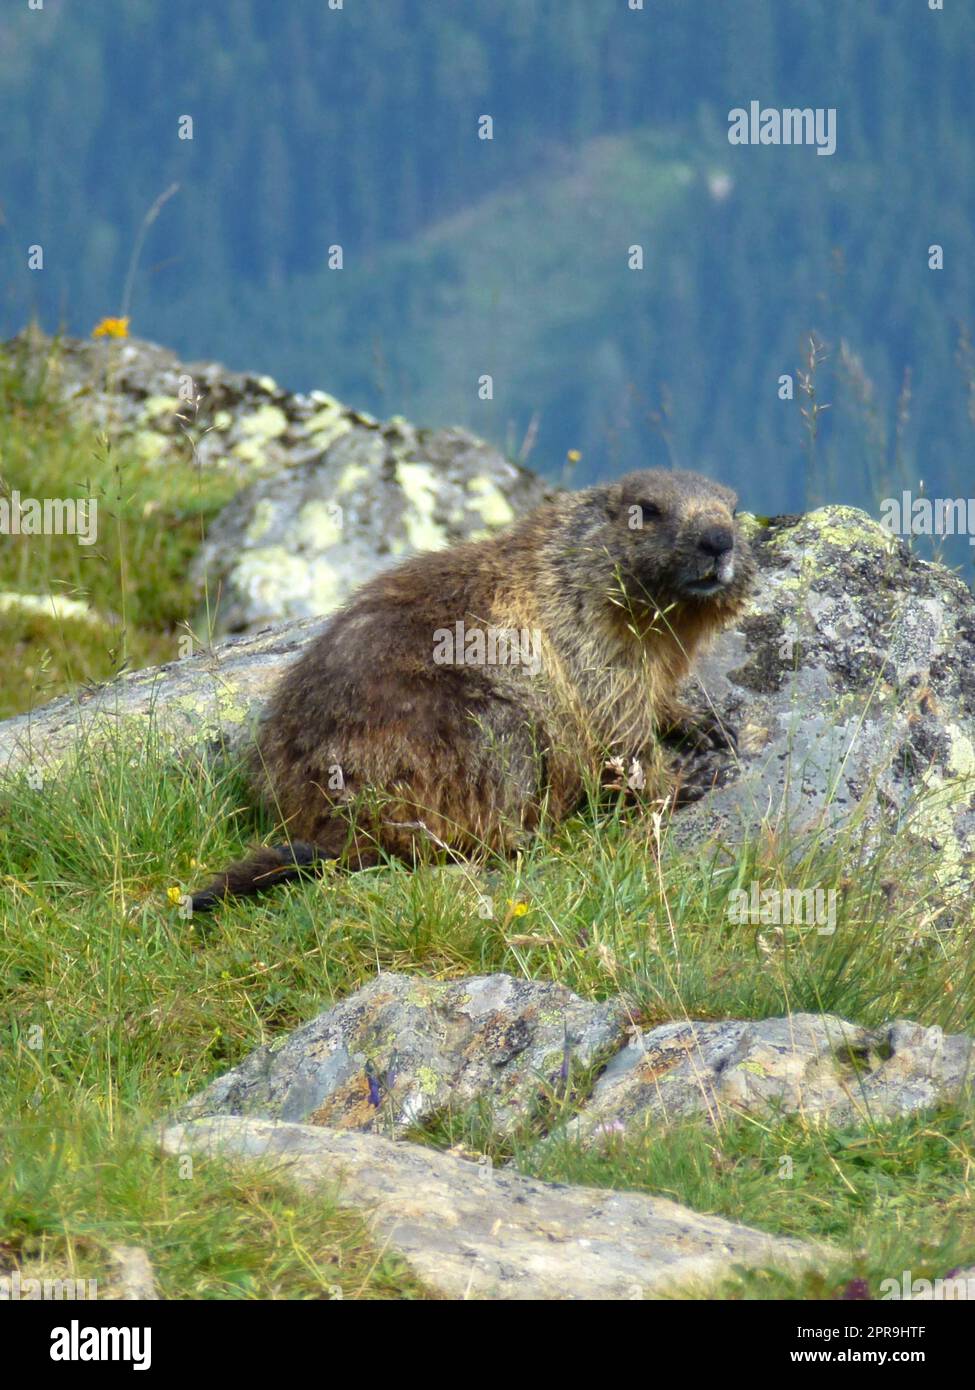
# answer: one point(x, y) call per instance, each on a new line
point(260, 871)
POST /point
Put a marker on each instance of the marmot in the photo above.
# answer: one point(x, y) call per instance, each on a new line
point(463, 698)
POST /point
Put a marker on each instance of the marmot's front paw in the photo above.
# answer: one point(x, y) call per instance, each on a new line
point(698, 776)
point(703, 732)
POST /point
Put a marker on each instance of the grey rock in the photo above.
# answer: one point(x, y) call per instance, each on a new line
point(208, 701)
point(806, 1063)
point(329, 495)
point(167, 409)
point(852, 682)
point(296, 544)
point(132, 1274)
point(401, 1049)
point(468, 1232)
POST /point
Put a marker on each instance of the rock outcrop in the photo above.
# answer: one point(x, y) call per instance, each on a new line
point(472, 1232)
point(852, 680)
point(203, 703)
point(296, 544)
point(329, 1105)
point(402, 1050)
point(329, 495)
point(805, 1064)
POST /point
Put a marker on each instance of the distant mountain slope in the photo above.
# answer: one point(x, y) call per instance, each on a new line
point(315, 127)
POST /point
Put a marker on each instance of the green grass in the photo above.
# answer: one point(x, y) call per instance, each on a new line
point(893, 1198)
point(150, 523)
point(75, 1186)
point(114, 1009)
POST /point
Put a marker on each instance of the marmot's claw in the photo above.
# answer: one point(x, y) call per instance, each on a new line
point(698, 776)
point(707, 732)
point(730, 735)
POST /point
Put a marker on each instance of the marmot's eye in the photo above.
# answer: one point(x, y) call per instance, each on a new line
point(650, 510)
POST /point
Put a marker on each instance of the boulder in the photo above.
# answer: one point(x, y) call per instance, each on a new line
point(401, 1049)
point(202, 704)
point(165, 409)
point(805, 1064)
point(469, 1231)
point(296, 544)
point(329, 495)
point(852, 681)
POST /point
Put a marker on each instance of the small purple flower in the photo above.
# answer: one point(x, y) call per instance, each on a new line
point(372, 1080)
point(567, 1042)
point(856, 1289)
point(611, 1127)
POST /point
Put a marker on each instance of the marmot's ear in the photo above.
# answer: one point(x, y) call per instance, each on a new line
point(614, 502)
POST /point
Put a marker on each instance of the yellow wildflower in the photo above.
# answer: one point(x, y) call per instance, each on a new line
point(111, 328)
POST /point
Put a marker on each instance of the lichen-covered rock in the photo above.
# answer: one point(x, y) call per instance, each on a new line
point(297, 544)
point(472, 1232)
point(806, 1063)
point(402, 1049)
point(167, 409)
point(329, 495)
point(203, 702)
point(852, 681)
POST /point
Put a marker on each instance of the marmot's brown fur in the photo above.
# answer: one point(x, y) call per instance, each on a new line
point(380, 738)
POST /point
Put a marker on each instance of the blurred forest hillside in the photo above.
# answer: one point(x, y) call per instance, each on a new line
point(315, 128)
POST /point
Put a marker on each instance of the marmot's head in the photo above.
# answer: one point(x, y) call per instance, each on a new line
point(673, 538)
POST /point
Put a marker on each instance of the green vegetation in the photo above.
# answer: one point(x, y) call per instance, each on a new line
point(75, 1186)
point(896, 1197)
point(114, 1009)
point(131, 585)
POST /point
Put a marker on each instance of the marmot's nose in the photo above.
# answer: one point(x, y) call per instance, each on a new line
point(716, 540)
